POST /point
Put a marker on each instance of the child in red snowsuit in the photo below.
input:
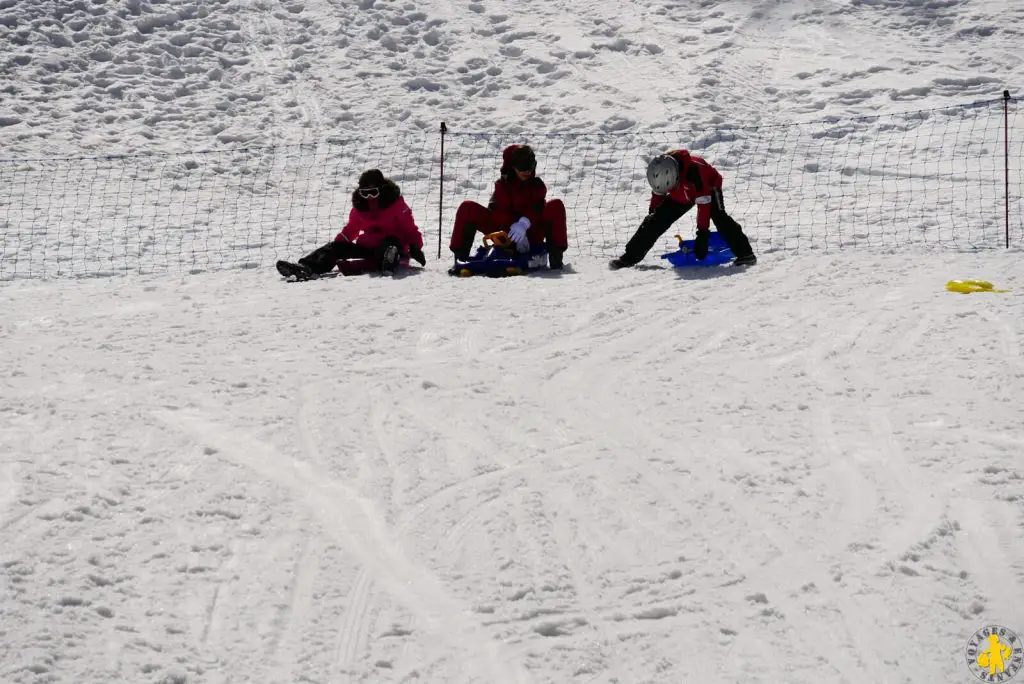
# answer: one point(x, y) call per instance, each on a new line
point(679, 180)
point(380, 228)
point(518, 205)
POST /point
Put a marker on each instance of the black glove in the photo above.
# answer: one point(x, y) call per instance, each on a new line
point(417, 254)
point(700, 245)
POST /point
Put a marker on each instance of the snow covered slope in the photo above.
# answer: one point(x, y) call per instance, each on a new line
point(133, 75)
point(808, 472)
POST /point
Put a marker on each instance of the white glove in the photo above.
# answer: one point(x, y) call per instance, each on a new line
point(517, 232)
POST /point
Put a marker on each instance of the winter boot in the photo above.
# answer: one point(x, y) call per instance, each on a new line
point(622, 262)
point(555, 259)
point(297, 271)
point(389, 259)
point(700, 245)
point(745, 260)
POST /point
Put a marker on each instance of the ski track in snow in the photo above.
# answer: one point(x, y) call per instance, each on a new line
point(696, 465)
point(9, 488)
point(349, 517)
point(805, 472)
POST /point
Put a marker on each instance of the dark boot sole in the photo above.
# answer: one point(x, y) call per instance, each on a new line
point(290, 270)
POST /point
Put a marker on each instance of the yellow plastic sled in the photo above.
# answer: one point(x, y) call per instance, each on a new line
point(969, 286)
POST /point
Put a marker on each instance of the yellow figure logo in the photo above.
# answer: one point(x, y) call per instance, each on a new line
point(996, 657)
point(995, 654)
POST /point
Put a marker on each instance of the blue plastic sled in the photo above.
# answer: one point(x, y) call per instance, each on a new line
point(498, 258)
point(718, 253)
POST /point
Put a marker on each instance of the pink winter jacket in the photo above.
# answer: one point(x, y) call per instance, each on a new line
point(369, 227)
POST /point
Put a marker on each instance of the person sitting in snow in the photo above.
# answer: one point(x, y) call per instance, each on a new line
point(518, 205)
point(679, 180)
point(380, 228)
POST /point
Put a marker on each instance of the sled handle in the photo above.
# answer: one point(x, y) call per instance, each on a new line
point(498, 238)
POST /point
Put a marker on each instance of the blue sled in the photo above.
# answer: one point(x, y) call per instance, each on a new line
point(497, 262)
point(718, 253)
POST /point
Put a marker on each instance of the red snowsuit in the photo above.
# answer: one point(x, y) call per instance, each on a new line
point(372, 222)
point(511, 200)
point(369, 227)
point(697, 178)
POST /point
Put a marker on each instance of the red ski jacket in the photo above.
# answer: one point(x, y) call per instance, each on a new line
point(513, 198)
point(697, 178)
point(369, 227)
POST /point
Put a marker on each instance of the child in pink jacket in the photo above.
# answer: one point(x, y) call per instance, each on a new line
point(380, 228)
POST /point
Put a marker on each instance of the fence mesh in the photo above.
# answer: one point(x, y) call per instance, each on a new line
point(925, 177)
point(191, 212)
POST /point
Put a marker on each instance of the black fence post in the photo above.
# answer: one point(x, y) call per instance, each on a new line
point(440, 202)
point(1006, 159)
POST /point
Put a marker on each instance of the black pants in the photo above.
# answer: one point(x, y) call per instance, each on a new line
point(669, 211)
point(323, 259)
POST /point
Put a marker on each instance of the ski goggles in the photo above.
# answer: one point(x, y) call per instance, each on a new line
point(369, 193)
point(525, 166)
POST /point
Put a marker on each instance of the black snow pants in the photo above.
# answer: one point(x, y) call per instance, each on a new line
point(669, 211)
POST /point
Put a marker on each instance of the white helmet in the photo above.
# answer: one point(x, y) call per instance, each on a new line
point(663, 174)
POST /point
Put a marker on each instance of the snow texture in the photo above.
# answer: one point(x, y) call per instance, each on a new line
point(117, 76)
point(810, 471)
